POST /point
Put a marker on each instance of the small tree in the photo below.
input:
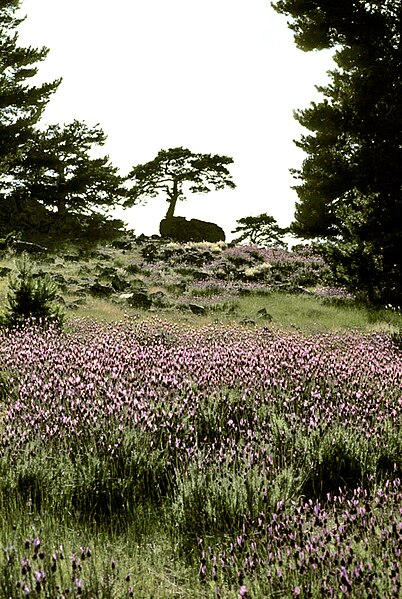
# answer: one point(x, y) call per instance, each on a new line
point(30, 298)
point(260, 230)
point(174, 168)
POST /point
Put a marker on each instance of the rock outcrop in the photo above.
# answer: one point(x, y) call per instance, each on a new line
point(180, 229)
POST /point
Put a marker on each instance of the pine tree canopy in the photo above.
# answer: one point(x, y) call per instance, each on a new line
point(46, 173)
point(21, 104)
point(58, 170)
point(260, 230)
point(350, 183)
point(172, 169)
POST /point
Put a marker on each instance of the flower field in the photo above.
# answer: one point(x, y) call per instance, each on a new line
point(272, 460)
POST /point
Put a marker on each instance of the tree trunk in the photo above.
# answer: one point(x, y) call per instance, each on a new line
point(173, 197)
point(61, 206)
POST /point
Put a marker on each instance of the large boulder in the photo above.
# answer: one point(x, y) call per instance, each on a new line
point(101, 289)
point(138, 299)
point(180, 229)
point(28, 247)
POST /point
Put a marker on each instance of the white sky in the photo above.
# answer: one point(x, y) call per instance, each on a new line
point(215, 76)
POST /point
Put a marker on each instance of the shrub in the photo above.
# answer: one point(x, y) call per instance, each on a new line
point(260, 272)
point(335, 465)
point(30, 298)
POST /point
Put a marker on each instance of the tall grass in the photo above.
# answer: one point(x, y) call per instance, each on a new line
point(69, 559)
point(311, 314)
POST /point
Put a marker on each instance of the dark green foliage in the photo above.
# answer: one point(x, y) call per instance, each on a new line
point(366, 257)
point(31, 298)
point(59, 173)
point(397, 338)
point(61, 188)
point(5, 387)
point(48, 174)
point(83, 230)
point(174, 168)
point(21, 105)
point(260, 230)
point(351, 180)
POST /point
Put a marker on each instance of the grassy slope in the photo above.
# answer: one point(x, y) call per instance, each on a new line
point(303, 311)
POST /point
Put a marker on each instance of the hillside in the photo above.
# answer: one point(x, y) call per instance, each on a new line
point(195, 282)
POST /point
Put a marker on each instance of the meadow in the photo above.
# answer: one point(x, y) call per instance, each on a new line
point(220, 454)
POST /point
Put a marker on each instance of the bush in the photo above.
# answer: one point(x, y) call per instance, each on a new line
point(30, 298)
point(336, 464)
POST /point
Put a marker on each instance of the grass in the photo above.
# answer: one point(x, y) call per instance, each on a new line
point(101, 310)
point(305, 313)
point(116, 565)
point(310, 314)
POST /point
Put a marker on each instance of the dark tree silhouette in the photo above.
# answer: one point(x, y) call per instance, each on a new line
point(58, 170)
point(43, 172)
point(174, 169)
point(350, 189)
point(261, 230)
point(21, 104)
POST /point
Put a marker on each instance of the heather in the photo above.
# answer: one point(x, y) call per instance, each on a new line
point(265, 463)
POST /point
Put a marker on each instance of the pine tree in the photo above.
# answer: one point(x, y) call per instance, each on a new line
point(260, 230)
point(32, 299)
point(350, 189)
point(59, 172)
point(21, 104)
point(46, 173)
point(172, 170)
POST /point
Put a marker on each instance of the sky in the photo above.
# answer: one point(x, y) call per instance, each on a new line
point(214, 76)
